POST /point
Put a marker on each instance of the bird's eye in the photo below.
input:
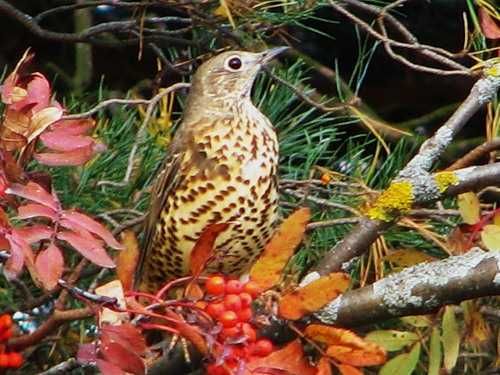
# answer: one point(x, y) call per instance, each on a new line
point(234, 63)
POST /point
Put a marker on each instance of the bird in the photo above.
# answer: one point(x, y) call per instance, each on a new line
point(221, 167)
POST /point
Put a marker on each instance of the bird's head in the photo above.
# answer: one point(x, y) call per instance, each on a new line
point(230, 75)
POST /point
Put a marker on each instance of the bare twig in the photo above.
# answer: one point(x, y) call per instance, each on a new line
point(475, 154)
point(322, 202)
point(62, 368)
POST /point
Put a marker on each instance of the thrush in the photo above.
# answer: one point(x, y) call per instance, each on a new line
point(221, 166)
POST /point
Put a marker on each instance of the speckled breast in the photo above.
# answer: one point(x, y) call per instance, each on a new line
point(229, 174)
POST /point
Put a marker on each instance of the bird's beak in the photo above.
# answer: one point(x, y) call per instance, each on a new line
point(271, 53)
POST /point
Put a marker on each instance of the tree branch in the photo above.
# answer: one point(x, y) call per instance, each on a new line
point(418, 290)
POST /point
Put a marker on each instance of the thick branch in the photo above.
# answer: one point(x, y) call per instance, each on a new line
point(358, 240)
point(418, 290)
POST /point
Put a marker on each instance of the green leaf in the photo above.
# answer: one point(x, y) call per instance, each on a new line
point(392, 340)
point(403, 364)
point(435, 352)
point(450, 339)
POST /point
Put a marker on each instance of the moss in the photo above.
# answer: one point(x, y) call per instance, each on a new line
point(396, 199)
point(445, 179)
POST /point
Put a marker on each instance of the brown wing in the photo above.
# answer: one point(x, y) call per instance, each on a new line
point(168, 178)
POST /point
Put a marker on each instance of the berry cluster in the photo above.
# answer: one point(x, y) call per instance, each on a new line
point(11, 359)
point(230, 305)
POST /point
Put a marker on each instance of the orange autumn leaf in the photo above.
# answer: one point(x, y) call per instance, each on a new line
point(268, 269)
point(347, 347)
point(324, 367)
point(290, 360)
point(204, 248)
point(126, 261)
point(313, 296)
point(349, 370)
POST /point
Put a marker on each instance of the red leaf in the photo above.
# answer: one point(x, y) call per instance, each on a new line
point(49, 265)
point(15, 263)
point(38, 94)
point(349, 370)
point(35, 233)
point(290, 358)
point(59, 141)
point(204, 247)
point(107, 368)
point(324, 367)
point(89, 247)
point(72, 127)
point(118, 355)
point(91, 225)
point(127, 335)
point(489, 26)
point(34, 192)
point(75, 157)
point(33, 210)
point(11, 81)
point(87, 353)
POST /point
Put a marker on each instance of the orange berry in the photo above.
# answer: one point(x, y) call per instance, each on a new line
point(215, 285)
point(213, 369)
point(249, 332)
point(231, 332)
point(244, 315)
point(4, 360)
point(215, 309)
point(5, 321)
point(263, 347)
point(246, 299)
point(228, 319)
point(15, 360)
point(252, 288)
point(234, 287)
point(201, 305)
point(232, 302)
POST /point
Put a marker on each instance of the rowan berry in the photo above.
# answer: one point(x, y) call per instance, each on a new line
point(228, 319)
point(252, 288)
point(228, 333)
point(5, 335)
point(234, 287)
point(213, 369)
point(215, 309)
point(15, 359)
point(232, 302)
point(249, 332)
point(244, 315)
point(5, 321)
point(263, 347)
point(4, 360)
point(246, 299)
point(215, 285)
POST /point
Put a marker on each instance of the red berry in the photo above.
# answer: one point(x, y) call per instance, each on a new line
point(252, 288)
point(215, 309)
point(244, 315)
point(4, 360)
point(215, 285)
point(249, 332)
point(234, 287)
point(232, 302)
point(15, 360)
point(246, 299)
point(263, 347)
point(5, 335)
point(5, 321)
point(228, 333)
point(228, 319)
point(213, 369)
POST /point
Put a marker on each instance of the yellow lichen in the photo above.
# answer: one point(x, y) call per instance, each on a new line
point(445, 179)
point(396, 199)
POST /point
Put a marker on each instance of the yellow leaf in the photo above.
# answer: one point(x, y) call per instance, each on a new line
point(490, 235)
point(435, 352)
point(468, 205)
point(126, 261)
point(479, 329)
point(112, 289)
point(419, 321)
point(408, 257)
point(42, 119)
point(403, 364)
point(450, 338)
point(392, 340)
point(224, 11)
point(346, 347)
point(267, 270)
point(496, 219)
point(313, 296)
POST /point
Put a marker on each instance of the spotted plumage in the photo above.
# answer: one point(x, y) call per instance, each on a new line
point(221, 167)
